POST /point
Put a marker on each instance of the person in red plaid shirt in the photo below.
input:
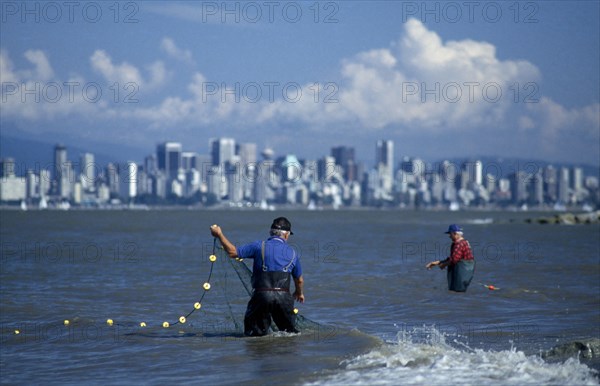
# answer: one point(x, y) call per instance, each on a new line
point(460, 263)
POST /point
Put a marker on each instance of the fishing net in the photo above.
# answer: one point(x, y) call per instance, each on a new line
point(244, 274)
point(213, 306)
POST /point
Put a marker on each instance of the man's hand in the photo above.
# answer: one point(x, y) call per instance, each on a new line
point(299, 297)
point(216, 231)
point(432, 264)
point(299, 293)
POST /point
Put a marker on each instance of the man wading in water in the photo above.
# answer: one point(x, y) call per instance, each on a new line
point(275, 262)
point(460, 263)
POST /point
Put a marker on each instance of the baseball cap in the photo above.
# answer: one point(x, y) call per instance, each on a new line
point(282, 224)
point(454, 228)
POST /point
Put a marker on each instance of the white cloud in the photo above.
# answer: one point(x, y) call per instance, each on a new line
point(43, 69)
point(34, 94)
point(123, 73)
point(555, 123)
point(158, 74)
point(419, 86)
point(7, 68)
point(169, 46)
point(126, 73)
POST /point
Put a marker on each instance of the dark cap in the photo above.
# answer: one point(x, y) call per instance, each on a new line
point(282, 224)
point(454, 228)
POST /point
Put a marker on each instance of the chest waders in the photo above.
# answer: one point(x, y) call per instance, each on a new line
point(271, 300)
point(460, 274)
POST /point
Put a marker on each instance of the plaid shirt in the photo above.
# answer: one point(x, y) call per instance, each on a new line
point(460, 250)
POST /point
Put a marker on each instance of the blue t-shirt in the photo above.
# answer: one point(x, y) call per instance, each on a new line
point(278, 256)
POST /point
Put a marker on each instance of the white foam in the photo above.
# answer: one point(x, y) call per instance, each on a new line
point(480, 221)
point(435, 362)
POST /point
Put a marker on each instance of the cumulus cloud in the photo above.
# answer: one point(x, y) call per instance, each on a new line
point(7, 68)
point(126, 73)
point(123, 73)
point(419, 83)
point(171, 49)
point(422, 82)
point(419, 86)
point(43, 69)
point(35, 94)
point(555, 123)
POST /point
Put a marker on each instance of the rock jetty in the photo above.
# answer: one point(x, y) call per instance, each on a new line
point(587, 348)
point(568, 218)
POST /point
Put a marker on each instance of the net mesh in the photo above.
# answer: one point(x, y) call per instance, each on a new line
point(244, 274)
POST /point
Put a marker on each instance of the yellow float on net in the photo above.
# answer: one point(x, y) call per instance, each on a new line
point(109, 322)
point(295, 310)
point(197, 305)
point(66, 322)
point(166, 324)
point(212, 258)
point(182, 319)
point(206, 286)
point(17, 332)
point(143, 324)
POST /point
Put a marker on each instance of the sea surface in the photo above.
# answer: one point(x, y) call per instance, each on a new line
point(379, 317)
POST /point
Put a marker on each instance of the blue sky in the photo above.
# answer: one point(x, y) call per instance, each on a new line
point(441, 79)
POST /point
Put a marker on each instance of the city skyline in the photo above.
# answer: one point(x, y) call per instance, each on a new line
point(232, 173)
point(45, 155)
point(440, 79)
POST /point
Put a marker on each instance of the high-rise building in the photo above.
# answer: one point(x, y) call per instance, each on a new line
point(291, 169)
point(249, 168)
point(551, 184)
point(326, 169)
point(563, 186)
point(474, 173)
point(63, 172)
point(384, 154)
point(384, 163)
point(66, 180)
point(32, 187)
point(413, 169)
point(188, 160)
point(519, 182)
point(60, 158)
point(168, 157)
point(128, 181)
point(151, 165)
point(222, 150)
point(8, 167)
point(12, 188)
point(577, 178)
point(247, 153)
point(536, 196)
point(235, 192)
point(344, 157)
point(112, 178)
point(87, 171)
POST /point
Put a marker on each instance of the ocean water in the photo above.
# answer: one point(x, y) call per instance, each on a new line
point(380, 318)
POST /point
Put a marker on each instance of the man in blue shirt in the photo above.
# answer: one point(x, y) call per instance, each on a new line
point(275, 262)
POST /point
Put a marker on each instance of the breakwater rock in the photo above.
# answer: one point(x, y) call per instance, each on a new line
point(587, 348)
point(568, 218)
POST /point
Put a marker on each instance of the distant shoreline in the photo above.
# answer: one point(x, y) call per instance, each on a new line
point(548, 210)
